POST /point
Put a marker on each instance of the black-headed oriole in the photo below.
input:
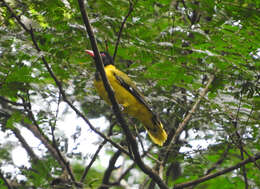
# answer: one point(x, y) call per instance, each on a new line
point(128, 96)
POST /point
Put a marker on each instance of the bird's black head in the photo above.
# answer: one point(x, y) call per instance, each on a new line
point(106, 58)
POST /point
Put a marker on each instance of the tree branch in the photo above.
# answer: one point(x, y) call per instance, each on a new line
point(187, 118)
point(231, 117)
point(240, 142)
point(96, 154)
point(25, 145)
point(92, 161)
point(100, 67)
point(35, 130)
point(108, 172)
point(131, 8)
point(213, 175)
point(11, 102)
point(130, 168)
point(223, 157)
point(29, 151)
point(124, 174)
point(62, 160)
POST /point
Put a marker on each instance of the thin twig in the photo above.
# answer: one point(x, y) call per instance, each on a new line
point(11, 102)
point(124, 174)
point(187, 118)
point(92, 161)
point(240, 143)
point(34, 129)
point(216, 174)
point(215, 165)
point(54, 142)
point(173, 137)
point(231, 118)
point(223, 157)
point(96, 154)
point(138, 137)
point(186, 9)
point(131, 8)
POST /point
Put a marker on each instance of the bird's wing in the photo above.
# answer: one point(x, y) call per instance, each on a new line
point(129, 85)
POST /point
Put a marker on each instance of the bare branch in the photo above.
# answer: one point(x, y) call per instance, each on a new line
point(124, 174)
point(47, 143)
point(25, 145)
point(29, 151)
point(108, 172)
point(92, 161)
point(100, 67)
point(131, 8)
point(187, 118)
point(96, 154)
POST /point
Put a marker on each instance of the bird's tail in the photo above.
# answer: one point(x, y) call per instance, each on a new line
point(155, 131)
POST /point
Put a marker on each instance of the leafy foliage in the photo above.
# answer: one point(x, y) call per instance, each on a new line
point(171, 48)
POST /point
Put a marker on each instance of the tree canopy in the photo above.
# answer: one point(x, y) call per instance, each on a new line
point(197, 63)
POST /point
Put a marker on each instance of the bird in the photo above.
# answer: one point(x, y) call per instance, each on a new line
point(129, 98)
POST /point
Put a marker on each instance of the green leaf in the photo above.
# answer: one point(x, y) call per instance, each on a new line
point(16, 117)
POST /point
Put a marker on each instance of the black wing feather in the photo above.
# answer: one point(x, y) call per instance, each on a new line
point(133, 91)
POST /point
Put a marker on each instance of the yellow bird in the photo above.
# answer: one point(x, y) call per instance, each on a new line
point(129, 97)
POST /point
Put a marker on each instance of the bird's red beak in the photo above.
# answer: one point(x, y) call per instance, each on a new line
point(91, 53)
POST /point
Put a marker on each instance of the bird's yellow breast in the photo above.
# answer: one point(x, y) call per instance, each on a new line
point(130, 104)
